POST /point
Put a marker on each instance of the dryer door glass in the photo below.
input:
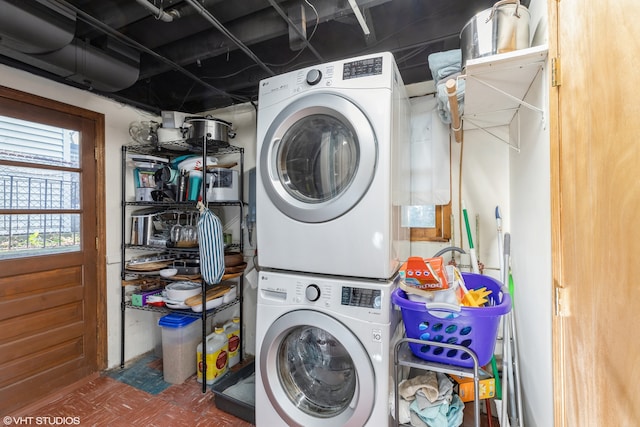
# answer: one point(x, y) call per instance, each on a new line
point(316, 371)
point(318, 158)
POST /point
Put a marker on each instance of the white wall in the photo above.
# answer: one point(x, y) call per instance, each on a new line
point(485, 185)
point(531, 260)
point(243, 119)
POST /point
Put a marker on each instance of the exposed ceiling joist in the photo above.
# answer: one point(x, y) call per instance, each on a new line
point(217, 51)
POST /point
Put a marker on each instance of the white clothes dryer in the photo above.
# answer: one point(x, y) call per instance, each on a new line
point(323, 351)
point(333, 169)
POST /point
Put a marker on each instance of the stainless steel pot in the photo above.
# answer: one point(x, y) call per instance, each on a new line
point(210, 128)
point(502, 28)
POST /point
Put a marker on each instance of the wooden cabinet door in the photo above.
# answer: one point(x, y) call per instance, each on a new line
point(595, 160)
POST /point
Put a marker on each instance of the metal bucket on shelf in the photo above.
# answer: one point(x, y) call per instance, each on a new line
point(502, 28)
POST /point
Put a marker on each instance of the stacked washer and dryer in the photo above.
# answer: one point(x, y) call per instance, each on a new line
point(332, 176)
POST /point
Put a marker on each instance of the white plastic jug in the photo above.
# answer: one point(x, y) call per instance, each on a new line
point(217, 356)
point(232, 328)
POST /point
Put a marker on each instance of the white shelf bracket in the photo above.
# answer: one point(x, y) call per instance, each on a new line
point(498, 137)
point(510, 96)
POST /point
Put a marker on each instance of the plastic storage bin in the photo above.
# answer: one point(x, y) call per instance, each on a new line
point(473, 327)
point(180, 337)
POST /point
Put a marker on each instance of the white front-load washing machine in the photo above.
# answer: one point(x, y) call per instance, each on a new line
point(333, 169)
point(323, 350)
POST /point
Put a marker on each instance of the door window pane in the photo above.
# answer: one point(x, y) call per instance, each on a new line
point(39, 189)
point(38, 234)
point(31, 142)
point(30, 188)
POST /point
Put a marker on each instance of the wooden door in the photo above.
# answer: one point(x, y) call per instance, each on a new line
point(51, 326)
point(595, 124)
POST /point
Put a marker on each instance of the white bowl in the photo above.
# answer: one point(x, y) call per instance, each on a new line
point(168, 272)
point(180, 291)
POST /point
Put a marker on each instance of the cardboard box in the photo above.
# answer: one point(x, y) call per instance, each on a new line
point(139, 298)
point(464, 386)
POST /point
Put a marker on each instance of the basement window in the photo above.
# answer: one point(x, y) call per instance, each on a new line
point(431, 223)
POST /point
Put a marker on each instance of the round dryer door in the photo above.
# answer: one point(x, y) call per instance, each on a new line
point(318, 158)
point(316, 372)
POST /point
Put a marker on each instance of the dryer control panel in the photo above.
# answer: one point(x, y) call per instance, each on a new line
point(362, 68)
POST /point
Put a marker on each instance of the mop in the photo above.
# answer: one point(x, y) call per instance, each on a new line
point(516, 359)
point(501, 389)
point(507, 373)
point(476, 269)
point(511, 369)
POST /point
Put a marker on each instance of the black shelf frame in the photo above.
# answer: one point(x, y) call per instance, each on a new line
point(192, 146)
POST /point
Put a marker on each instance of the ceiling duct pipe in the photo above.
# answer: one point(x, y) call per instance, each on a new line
point(159, 13)
point(99, 25)
point(32, 27)
point(85, 64)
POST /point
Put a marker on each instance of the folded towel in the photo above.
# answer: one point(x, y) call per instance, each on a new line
point(445, 386)
point(449, 62)
point(444, 415)
point(444, 391)
point(427, 382)
point(434, 416)
point(455, 414)
point(424, 403)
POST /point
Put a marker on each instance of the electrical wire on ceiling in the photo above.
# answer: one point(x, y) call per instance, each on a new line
point(186, 95)
point(315, 27)
point(284, 64)
point(212, 19)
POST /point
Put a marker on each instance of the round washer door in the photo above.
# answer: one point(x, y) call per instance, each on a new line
point(316, 372)
point(318, 158)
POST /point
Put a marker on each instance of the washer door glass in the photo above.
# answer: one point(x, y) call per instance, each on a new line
point(318, 158)
point(316, 371)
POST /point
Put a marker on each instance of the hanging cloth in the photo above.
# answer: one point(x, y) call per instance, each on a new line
point(211, 246)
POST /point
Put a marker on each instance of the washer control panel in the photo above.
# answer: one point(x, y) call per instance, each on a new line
point(361, 297)
point(333, 294)
point(358, 300)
